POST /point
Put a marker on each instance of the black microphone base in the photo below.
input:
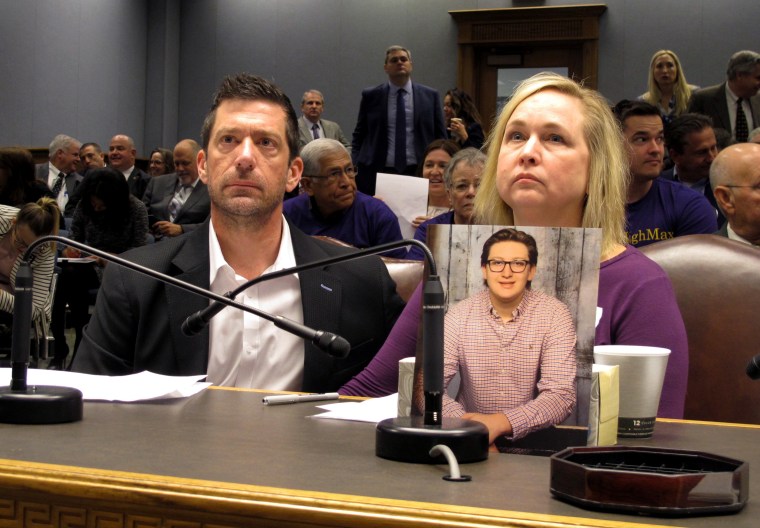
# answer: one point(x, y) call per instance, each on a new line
point(408, 439)
point(40, 404)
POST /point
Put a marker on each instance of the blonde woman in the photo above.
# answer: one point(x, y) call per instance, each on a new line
point(668, 89)
point(556, 158)
point(19, 228)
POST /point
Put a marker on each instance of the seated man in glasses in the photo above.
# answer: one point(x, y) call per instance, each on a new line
point(331, 206)
point(513, 347)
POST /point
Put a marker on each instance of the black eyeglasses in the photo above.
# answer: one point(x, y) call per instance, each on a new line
point(516, 266)
point(335, 174)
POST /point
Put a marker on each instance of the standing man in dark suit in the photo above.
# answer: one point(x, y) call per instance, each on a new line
point(397, 120)
point(311, 126)
point(60, 173)
point(178, 202)
point(121, 156)
point(249, 159)
point(723, 101)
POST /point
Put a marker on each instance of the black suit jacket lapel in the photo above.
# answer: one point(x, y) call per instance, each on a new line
point(191, 200)
point(721, 109)
point(190, 264)
point(321, 294)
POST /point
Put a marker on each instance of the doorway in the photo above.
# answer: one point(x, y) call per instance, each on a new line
point(497, 46)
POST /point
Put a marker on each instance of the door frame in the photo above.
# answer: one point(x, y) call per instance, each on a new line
point(515, 32)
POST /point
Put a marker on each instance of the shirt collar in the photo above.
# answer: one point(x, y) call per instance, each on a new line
point(191, 185)
point(218, 265)
point(731, 95)
point(733, 236)
point(394, 88)
point(127, 173)
point(517, 312)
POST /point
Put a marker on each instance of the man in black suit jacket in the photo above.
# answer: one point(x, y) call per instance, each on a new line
point(720, 101)
point(249, 159)
point(121, 156)
point(63, 154)
point(373, 147)
point(178, 202)
point(691, 143)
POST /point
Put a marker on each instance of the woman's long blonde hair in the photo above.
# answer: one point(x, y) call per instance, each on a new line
point(681, 89)
point(608, 164)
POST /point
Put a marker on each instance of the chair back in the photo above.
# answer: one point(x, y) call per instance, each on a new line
point(407, 274)
point(717, 286)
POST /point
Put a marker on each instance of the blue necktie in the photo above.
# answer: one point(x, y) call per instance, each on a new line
point(400, 153)
point(315, 131)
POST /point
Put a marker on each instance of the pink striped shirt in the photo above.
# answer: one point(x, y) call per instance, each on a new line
point(524, 368)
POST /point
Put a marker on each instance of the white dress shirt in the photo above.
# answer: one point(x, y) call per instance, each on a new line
point(246, 350)
point(63, 193)
point(731, 99)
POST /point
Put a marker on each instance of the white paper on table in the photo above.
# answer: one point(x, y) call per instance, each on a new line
point(407, 196)
point(373, 410)
point(131, 388)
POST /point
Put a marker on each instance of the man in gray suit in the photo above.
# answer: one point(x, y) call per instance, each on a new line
point(310, 124)
point(722, 101)
point(178, 202)
point(735, 179)
point(60, 173)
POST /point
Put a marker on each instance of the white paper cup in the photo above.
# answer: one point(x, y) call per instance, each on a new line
point(642, 371)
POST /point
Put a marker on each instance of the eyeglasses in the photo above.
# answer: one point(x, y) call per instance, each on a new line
point(515, 266)
point(755, 187)
point(401, 58)
point(335, 174)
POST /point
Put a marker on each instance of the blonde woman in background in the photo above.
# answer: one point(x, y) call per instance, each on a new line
point(668, 89)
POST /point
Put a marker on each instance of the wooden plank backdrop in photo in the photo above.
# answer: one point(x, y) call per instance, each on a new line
point(568, 268)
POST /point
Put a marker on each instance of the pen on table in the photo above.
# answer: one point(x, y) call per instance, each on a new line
point(298, 398)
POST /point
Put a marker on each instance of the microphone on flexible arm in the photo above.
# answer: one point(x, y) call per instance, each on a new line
point(38, 404)
point(433, 301)
point(200, 319)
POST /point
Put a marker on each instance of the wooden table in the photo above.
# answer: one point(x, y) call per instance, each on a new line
point(221, 458)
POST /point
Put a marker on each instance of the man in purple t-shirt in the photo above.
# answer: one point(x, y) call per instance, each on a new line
point(656, 209)
point(331, 206)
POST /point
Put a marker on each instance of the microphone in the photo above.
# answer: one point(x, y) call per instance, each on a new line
point(413, 438)
point(38, 404)
point(331, 343)
point(753, 367)
point(200, 319)
point(433, 301)
point(22, 323)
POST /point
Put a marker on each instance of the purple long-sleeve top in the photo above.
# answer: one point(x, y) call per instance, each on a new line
point(639, 308)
